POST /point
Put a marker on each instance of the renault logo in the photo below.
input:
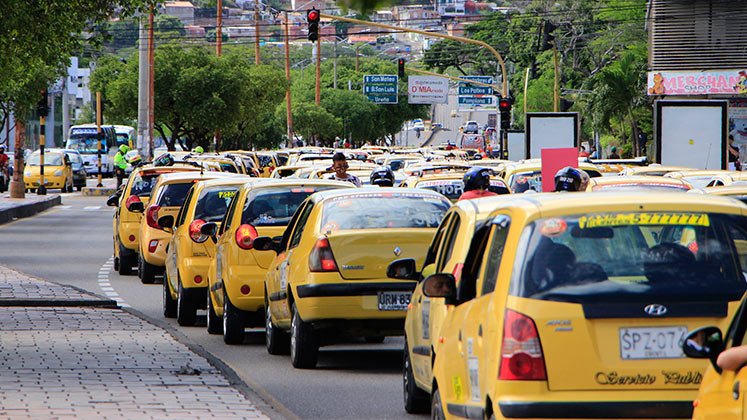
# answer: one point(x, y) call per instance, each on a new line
point(397, 251)
point(655, 309)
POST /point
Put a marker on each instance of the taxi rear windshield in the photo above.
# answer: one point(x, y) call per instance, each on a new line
point(532, 180)
point(453, 189)
point(378, 211)
point(275, 206)
point(213, 202)
point(173, 195)
point(642, 187)
point(624, 257)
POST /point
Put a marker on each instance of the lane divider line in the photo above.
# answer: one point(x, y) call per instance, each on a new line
point(106, 286)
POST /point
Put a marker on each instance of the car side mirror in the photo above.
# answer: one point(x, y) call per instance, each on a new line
point(403, 269)
point(113, 200)
point(266, 243)
point(166, 222)
point(704, 343)
point(210, 229)
point(136, 206)
point(442, 285)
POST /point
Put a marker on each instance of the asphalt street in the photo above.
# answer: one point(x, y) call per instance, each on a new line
point(72, 244)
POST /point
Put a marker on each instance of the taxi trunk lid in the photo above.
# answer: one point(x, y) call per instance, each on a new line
point(265, 258)
point(366, 253)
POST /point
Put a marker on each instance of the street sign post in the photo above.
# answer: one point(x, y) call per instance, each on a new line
point(472, 97)
point(381, 88)
point(427, 90)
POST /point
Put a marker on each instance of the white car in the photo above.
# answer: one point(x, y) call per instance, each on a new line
point(471, 127)
point(418, 124)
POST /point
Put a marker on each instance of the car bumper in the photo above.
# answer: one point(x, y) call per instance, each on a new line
point(128, 235)
point(49, 182)
point(587, 409)
point(158, 256)
point(192, 267)
point(253, 276)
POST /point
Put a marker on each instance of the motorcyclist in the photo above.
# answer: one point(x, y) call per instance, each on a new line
point(120, 163)
point(134, 158)
point(476, 184)
point(571, 179)
point(382, 176)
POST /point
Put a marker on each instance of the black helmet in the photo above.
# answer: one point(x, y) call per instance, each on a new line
point(477, 178)
point(571, 179)
point(382, 176)
point(164, 160)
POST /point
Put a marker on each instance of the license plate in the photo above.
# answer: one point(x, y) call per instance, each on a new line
point(652, 342)
point(394, 301)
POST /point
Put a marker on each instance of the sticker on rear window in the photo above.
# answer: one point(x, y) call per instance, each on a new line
point(553, 227)
point(643, 219)
point(226, 194)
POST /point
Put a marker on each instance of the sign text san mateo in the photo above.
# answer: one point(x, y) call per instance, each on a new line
point(381, 88)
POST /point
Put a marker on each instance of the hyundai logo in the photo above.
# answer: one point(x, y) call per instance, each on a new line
point(655, 309)
point(397, 251)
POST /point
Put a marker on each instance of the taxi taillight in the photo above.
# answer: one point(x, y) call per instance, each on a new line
point(521, 351)
point(131, 199)
point(321, 259)
point(151, 216)
point(194, 231)
point(245, 236)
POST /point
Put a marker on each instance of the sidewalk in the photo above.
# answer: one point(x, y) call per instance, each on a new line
point(71, 354)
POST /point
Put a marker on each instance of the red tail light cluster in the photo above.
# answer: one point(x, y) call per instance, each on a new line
point(153, 246)
point(245, 236)
point(521, 351)
point(151, 216)
point(194, 231)
point(321, 259)
point(131, 199)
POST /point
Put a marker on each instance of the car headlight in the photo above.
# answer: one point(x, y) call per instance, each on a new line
point(58, 172)
point(27, 173)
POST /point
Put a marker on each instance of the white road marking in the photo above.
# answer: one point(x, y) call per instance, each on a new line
point(91, 208)
point(64, 207)
point(106, 286)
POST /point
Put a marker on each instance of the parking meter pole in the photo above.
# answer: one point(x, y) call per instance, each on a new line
point(99, 136)
point(42, 190)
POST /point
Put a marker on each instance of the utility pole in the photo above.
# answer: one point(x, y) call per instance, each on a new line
point(99, 137)
point(256, 32)
point(556, 88)
point(318, 97)
point(151, 84)
point(43, 110)
point(219, 52)
point(143, 89)
point(334, 66)
point(289, 114)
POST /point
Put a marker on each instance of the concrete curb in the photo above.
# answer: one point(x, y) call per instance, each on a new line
point(50, 303)
point(98, 191)
point(28, 209)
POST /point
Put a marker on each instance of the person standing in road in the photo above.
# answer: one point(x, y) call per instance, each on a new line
point(734, 163)
point(340, 166)
point(613, 153)
point(476, 184)
point(120, 163)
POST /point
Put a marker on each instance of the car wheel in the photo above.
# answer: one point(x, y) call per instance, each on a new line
point(80, 188)
point(186, 310)
point(277, 341)
point(233, 322)
point(304, 350)
point(416, 400)
point(374, 339)
point(214, 325)
point(147, 272)
point(169, 304)
point(126, 262)
point(437, 410)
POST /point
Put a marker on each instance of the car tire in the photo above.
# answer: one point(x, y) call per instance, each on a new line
point(233, 322)
point(277, 340)
point(169, 304)
point(416, 400)
point(304, 349)
point(147, 272)
point(437, 409)
point(126, 262)
point(374, 339)
point(186, 309)
point(80, 188)
point(214, 322)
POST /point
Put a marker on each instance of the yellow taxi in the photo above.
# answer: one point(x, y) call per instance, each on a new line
point(236, 276)
point(730, 178)
point(735, 191)
point(126, 223)
point(447, 253)
point(638, 183)
point(188, 251)
point(653, 169)
point(527, 175)
point(166, 199)
point(267, 162)
point(698, 179)
point(579, 304)
point(450, 185)
point(328, 280)
point(58, 171)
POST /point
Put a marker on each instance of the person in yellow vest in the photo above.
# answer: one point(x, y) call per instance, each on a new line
point(120, 163)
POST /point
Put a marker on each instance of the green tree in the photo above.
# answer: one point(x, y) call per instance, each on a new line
point(314, 123)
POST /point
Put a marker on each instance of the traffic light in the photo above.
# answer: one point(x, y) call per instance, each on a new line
point(401, 67)
point(504, 106)
point(42, 107)
point(312, 17)
point(548, 39)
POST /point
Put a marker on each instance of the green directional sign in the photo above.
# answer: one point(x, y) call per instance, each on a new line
point(381, 88)
point(472, 96)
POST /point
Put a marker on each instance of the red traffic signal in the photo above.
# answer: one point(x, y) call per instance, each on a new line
point(312, 15)
point(504, 104)
point(401, 67)
point(312, 18)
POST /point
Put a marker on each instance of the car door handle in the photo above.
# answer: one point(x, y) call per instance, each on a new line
point(735, 390)
point(459, 337)
point(479, 330)
point(420, 298)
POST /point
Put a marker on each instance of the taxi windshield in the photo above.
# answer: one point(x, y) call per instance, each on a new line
point(637, 256)
point(50, 159)
point(453, 188)
point(173, 195)
point(275, 206)
point(142, 185)
point(213, 201)
point(383, 210)
point(526, 181)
